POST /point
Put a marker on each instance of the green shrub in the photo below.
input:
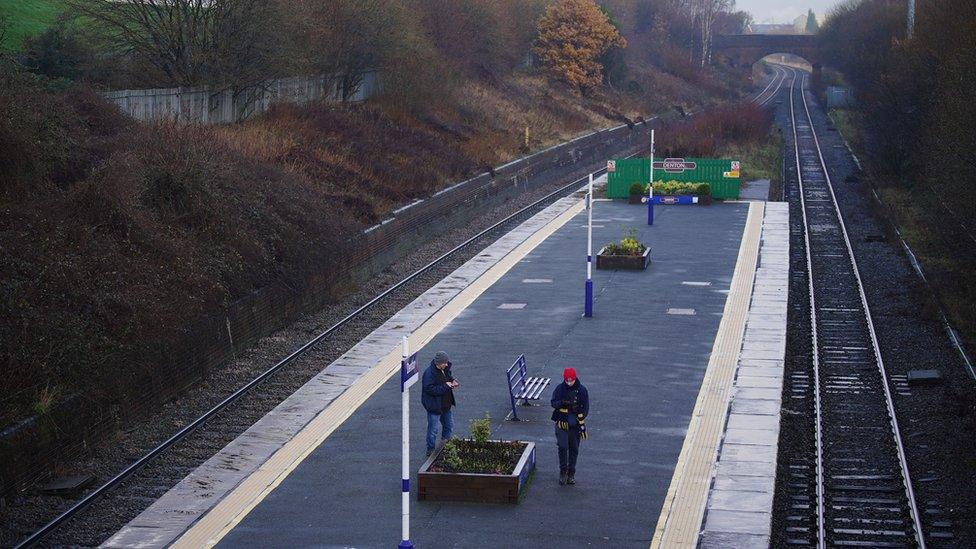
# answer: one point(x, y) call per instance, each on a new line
point(451, 455)
point(638, 188)
point(681, 188)
point(481, 429)
point(629, 245)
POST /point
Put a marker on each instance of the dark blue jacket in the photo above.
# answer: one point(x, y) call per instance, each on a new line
point(432, 397)
point(581, 402)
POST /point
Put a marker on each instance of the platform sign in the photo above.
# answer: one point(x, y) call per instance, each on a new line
point(408, 372)
point(733, 172)
point(675, 165)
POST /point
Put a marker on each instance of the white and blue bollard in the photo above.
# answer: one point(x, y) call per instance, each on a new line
point(650, 187)
point(408, 376)
point(588, 300)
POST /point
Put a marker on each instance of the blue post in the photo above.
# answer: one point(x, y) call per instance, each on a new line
point(650, 210)
point(588, 309)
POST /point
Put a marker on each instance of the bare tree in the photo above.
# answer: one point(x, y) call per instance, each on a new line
point(704, 13)
point(223, 43)
point(347, 38)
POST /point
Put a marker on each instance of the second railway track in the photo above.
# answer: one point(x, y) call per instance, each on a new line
point(853, 488)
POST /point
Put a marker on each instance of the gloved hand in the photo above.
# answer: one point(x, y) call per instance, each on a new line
point(564, 425)
point(582, 426)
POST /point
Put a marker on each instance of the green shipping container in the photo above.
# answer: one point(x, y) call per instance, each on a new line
point(718, 173)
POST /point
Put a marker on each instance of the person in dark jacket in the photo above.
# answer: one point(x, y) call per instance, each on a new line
point(438, 398)
point(571, 405)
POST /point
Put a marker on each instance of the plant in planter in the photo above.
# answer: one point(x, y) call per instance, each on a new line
point(669, 192)
point(637, 191)
point(630, 253)
point(477, 469)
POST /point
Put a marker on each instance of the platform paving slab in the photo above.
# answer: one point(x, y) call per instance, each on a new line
point(739, 509)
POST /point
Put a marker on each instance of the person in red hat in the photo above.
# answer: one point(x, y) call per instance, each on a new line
point(571, 405)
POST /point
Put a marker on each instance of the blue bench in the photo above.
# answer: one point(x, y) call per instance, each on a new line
point(522, 387)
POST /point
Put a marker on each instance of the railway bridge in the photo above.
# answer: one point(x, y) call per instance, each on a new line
point(745, 49)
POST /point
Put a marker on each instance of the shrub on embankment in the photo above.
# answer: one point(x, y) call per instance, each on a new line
point(117, 235)
point(710, 132)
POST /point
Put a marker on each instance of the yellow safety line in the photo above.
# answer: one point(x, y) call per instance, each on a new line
point(213, 526)
point(684, 505)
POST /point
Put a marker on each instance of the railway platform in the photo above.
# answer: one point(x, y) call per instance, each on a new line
point(675, 358)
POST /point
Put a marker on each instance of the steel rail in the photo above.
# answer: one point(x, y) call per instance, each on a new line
point(188, 429)
point(895, 431)
point(821, 528)
point(778, 78)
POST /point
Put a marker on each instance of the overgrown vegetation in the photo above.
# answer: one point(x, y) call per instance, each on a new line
point(918, 142)
point(710, 133)
point(116, 235)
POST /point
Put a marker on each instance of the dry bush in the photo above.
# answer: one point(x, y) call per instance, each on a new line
point(116, 236)
point(708, 132)
point(355, 155)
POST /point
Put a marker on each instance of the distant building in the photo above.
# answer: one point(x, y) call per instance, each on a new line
point(774, 28)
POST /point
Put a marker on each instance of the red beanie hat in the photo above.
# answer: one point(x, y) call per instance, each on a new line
point(569, 373)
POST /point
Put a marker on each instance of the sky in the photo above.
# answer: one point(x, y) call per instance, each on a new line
point(784, 11)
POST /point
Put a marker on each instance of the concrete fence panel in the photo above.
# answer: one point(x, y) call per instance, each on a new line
point(203, 105)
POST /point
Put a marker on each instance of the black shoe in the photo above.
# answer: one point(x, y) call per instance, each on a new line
point(571, 480)
point(562, 478)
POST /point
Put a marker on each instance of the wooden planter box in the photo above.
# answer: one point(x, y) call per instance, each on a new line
point(630, 262)
point(475, 487)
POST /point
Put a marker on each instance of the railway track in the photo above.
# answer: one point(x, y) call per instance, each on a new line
point(223, 423)
point(772, 88)
point(852, 488)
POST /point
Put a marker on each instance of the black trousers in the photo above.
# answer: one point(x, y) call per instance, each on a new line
point(568, 442)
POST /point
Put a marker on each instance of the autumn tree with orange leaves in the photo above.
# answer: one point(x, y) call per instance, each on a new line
point(573, 34)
